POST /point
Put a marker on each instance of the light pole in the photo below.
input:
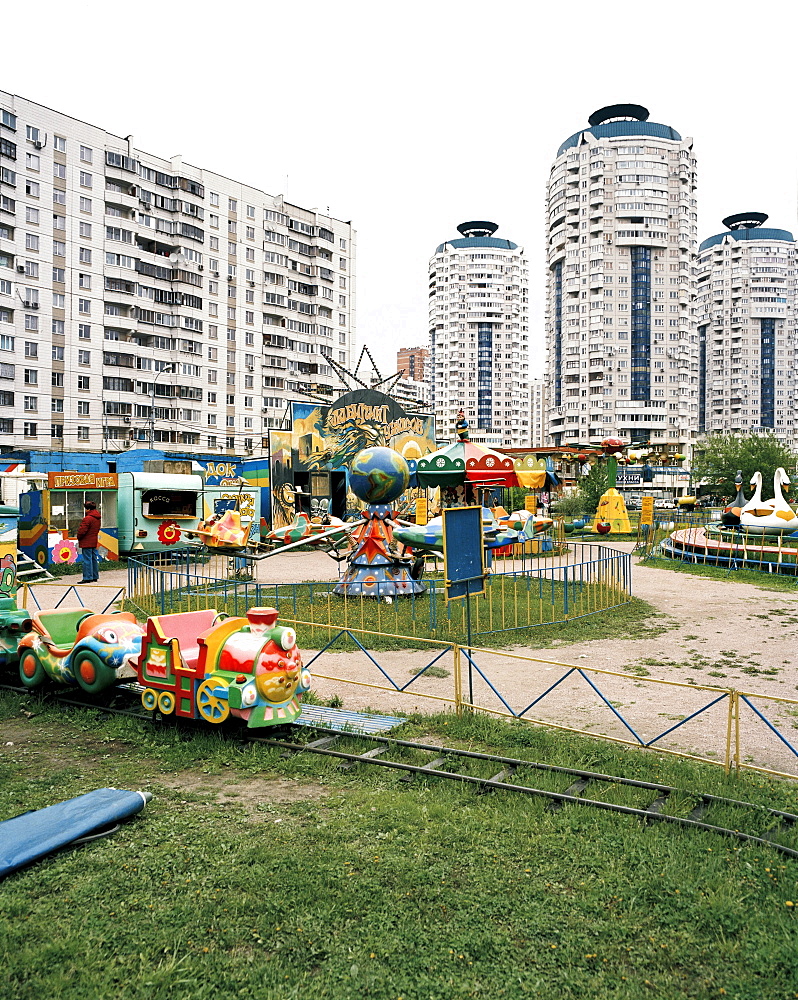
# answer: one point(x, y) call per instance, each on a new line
point(170, 370)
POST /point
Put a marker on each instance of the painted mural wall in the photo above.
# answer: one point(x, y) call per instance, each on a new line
point(309, 462)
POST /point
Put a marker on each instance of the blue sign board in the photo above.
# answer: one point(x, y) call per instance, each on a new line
point(463, 552)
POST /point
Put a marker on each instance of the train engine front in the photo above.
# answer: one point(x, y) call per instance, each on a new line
point(254, 672)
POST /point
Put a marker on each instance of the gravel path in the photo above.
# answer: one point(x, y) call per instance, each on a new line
point(716, 633)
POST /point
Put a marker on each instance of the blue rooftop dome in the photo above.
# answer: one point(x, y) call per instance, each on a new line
point(477, 235)
point(621, 120)
point(747, 226)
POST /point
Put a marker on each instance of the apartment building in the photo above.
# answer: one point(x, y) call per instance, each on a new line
point(621, 232)
point(479, 336)
point(411, 361)
point(146, 302)
point(746, 289)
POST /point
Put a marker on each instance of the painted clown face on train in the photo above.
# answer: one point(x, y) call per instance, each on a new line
point(278, 668)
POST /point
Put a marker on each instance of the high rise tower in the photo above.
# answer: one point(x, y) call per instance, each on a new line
point(620, 232)
point(479, 336)
point(746, 328)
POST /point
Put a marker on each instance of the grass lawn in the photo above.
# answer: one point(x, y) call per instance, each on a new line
point(254, 876)
point(765, 580)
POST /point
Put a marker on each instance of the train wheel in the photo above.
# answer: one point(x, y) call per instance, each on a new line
point(149, 699)
point(91, 673)
point(166, 702)
point(31, 672)
point(211, 706)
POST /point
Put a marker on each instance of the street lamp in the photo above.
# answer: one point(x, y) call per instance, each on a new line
point(170, 370)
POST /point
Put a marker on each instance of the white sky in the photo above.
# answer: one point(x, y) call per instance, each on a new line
point(412, 117)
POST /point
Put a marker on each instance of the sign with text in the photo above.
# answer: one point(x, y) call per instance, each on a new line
point(82, 480)
point(422, 510)
point(463, 552)
point(647, 510)
point(531, 504)
point(628, 478)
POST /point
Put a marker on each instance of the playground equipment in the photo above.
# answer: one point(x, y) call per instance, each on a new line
point(611, 507)
point(197, 664)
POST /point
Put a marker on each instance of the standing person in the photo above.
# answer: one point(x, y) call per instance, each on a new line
point(88, 533)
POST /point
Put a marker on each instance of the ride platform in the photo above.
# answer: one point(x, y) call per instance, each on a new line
point(339, 720)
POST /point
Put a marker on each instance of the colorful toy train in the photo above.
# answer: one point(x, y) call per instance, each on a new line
point(200, 664)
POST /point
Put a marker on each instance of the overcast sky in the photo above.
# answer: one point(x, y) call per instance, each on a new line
point(410, 118)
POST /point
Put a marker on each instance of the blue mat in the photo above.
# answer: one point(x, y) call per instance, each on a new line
point(346, 722)
point(34, 834)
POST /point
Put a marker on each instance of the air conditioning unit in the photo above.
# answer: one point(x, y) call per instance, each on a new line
point(200, 267)
point(21, 268)
point(215, 274)
point(34, 305)
point(38, 144)
point(230, 277)
point(252, 284)
point(127, 420)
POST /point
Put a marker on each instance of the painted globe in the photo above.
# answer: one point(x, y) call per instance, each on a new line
point(378, 475)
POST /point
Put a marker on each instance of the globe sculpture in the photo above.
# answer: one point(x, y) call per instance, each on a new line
point(374, 567)
point(378, 475)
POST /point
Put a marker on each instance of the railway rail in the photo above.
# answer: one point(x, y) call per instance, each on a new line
point(655, 802)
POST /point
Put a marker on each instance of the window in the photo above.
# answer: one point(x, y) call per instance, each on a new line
point(57, 380)
point(31, 403)
point(232, 205)
point(84, 331)
point(57, 405)
point(32, 189)
point(59, 143)
point(83, 433)
point(31, 322)
point(85, 179)
point(84, 306)
point(59, 249)
point(59, 197)
point(59, 274)
point(31, 376)
point(58, 327)
point(84, 281)
point(342, 243)
point(32, 162)
point(83, 408)
point(57, 352)
point(59, 222)
point(83, 383)
point(32, 215)
point(31, 242)
point(30, 430)
point(59, 170)
point(31, 269)
point(214, 199)
point(56, 430)
point(84, 357)
point(31, 349)
point(85, 154)
point(6, 343)
point(85, 204)
point(85, 232)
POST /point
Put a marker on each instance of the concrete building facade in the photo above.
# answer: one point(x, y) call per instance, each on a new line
point(745, 311)
point(479, 336)
point(621, 225)
point(148, 302)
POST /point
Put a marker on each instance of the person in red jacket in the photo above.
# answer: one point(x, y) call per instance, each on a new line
point(88, 533)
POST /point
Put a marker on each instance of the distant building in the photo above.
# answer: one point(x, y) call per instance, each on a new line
point(538, 423)
point(412, 393)
point(479, 336)
point(412, 361)
point(621, 236)
point(149, 302)
point(745, 309)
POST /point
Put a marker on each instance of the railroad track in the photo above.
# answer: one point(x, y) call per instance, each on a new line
point(649, 801)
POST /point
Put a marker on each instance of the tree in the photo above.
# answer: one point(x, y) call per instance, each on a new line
point(719, 456)
point(593, 486)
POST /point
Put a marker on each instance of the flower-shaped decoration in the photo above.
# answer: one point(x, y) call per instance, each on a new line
point(490, 461)
point(169, 533)
point(440, 462)
point(65, 551)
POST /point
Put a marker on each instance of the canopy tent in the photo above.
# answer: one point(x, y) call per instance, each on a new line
point(466, 462)
point(536, 474)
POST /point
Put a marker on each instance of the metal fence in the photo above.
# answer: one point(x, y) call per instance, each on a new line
point(575, 581)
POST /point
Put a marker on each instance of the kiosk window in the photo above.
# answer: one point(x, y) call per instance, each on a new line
point(169, 503)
